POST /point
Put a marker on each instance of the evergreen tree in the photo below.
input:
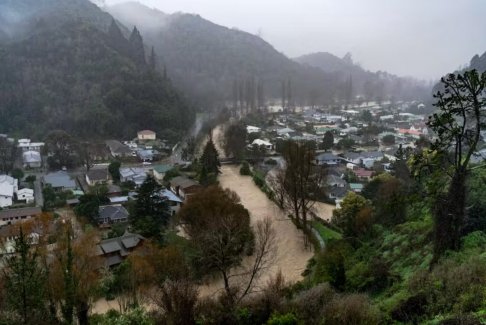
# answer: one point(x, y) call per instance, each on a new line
point(136, 47)
point(210, 158)
point(153, 60)
point(25, 282)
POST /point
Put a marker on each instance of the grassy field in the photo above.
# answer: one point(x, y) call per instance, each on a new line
point(326, 233)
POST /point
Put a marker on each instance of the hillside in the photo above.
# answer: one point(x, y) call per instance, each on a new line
point(479, 62)
point(73, 69)
point(205, 59)
point(366, 84)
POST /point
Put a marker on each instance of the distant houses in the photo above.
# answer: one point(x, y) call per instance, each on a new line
point(146, 135)
point(11, 216)
point(114, 251)
point(184, 187)
point(32, 159)
point(59, 181)
point(98, 177)
point(111, 214)
point(118, 149)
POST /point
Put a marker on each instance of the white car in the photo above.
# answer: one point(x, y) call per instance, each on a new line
point(146, 163)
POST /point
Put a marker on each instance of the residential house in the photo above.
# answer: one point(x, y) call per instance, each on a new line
point(26, 194)
point(252, 129)
point(259, 142)
point(363, 174)
point(356, 187)
point(132, 174)
point(118, 149)
point(9, 235)
point(12, 216)
point(8, 188)
point(59, 181)
point(335, 181)
point(174, 201)
point(285, 132)
point(159, 171)
point(98, 177)
point(352, 157)
point(337, 193)
point(115, 250)
point(110, 214)
point(27, 145)
point(147, 155)
point(31, 159)
point(145, 135)
point(183, 186)
point(328, 159)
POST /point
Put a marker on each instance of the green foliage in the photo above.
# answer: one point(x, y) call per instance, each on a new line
point(235, 140)
point(210, 159)
point(30, 179)
point(327, 141)
point(151, 210)
point(354, 216)
point(24, 282)
point(114, 170)
point(174, 172)
point(245, 169)
point(326, 233)
point(137, 316)
point(345, 144)
point(88, 206)
point(17, 173)
point(285, 319)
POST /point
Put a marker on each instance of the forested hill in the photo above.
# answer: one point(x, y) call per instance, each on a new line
point(73, 69)
point(206, 59)
point(479, 62)
point(370, 85)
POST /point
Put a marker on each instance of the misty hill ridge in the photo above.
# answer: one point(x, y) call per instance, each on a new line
point(82, 75)
point(327, 62)
point(205, 59)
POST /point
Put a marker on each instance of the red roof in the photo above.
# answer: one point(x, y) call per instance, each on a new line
point(408, 131)
point(363, 172)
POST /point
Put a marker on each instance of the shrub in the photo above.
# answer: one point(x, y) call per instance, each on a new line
point(286, 319)
point(351, 309)
point(245, 169)
point(309, 304)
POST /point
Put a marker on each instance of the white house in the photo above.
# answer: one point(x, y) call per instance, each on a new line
point(26, 194)
point(32, 159)
point(8, 187)
point(27, 145)
point(173, 200)
point(260, 142)
point(146, 135)
point(252, 129)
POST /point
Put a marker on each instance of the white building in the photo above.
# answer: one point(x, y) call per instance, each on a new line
point(8, 187)
point(260, 142)
point(252, 129)
point(32, 159)
point(27, 145)
point(26, 194)
point(146, 135)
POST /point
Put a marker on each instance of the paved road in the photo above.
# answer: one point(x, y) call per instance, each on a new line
point(39, 197)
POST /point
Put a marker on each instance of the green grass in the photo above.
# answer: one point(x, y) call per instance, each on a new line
point(326, 233)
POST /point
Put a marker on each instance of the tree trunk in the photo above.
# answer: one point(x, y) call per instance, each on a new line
point(449, 216)
point(83, 310)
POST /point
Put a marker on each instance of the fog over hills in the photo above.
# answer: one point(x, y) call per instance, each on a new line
point(205, 60)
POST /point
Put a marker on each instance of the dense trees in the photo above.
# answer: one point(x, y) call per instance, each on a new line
point(354, 217)
point(235, 140)
point(458, 124)
point(327, 141)
point(7, 155)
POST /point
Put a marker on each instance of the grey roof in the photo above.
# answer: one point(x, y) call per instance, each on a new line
point(23, 212)
point(372, 154)
point(338, 192)
point(352, 155)
point(98, 174)
point(327, 156)
point(170, 196)
point(120, 245)
point(183, 182)
point(332, 179)
point(60, 179)
point(112, 212)
point(118, 147)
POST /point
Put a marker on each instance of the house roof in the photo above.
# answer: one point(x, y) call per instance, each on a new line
point(118, 147)
point(7, 185)
point(351, 155)
point(170, 196)
point(162, 168)
point(120, 245)
point(372, 154)
point(23, 212)
point(31, 156)
point(363, 172)
point(327, 156)
point(98, 174)
point(60, 179)
point(338, 192)
point(183, 182)
point(333, 179)
point(260, 142)
point(112, 212)
point(146, 132)
point(356, 186)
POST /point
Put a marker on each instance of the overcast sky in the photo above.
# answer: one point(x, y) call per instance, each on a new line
point(420, 38)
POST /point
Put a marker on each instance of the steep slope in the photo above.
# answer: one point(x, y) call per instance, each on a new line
point(479, 62)
point(205, 59)
point(328, 62)
point(70, 74)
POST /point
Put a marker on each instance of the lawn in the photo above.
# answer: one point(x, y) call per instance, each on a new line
point(326, 233)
